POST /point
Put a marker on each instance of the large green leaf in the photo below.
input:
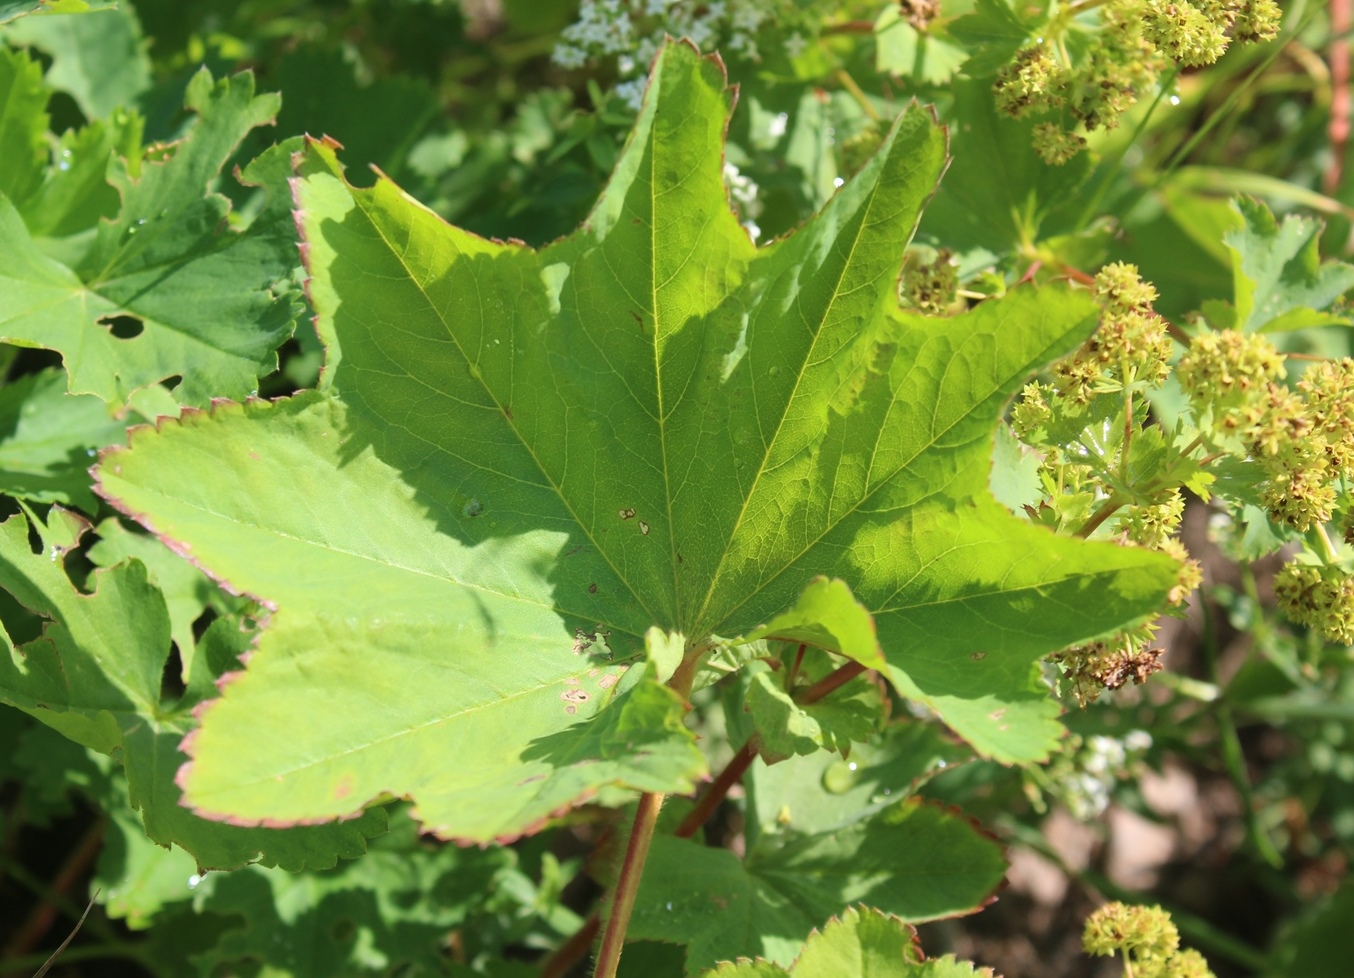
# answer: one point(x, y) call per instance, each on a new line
point(913, 860)
point(205, 304)
point(94, 675)
point(861, 943)
point(525, 459)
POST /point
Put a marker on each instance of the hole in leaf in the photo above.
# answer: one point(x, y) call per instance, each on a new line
point(123, 327)
point(171, 680)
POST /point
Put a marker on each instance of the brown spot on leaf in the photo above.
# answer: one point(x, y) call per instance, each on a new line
point(644, 528)
point(592, 588)
point(978, 656)
point(627, 514)
point(606, 682)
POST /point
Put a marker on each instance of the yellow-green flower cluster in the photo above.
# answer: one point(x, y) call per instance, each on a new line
point(1131, 345)
point(1318, 597)
point(1146, 937)
point(1124, 58)
point(1303, 441)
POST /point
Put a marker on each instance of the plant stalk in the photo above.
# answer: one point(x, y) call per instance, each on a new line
point(627, 885)
point(830, 683)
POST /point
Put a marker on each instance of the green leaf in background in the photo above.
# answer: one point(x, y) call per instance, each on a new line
point(823, 792)
point(785, 728)
point(861, 943)
point(377, 123)
point(48, 440)
point(99, 60)
point(998, 195)
point(162, 290)
point(11, 10)
point(901, 49)
point(1280, 281)
point(23, 124)
point(912, 860)
point(992, 32)
point(94, 675)
point(524, 460)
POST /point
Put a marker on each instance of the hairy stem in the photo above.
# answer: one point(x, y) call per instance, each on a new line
point(571, 951)
point(719, 788)
point(627, 885)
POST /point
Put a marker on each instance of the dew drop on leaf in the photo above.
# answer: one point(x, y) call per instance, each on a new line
point(841, 777)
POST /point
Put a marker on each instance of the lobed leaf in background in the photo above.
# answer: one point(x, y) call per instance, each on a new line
point(522, 459)
point(862, 942)
point(162, 290)
point(99, 60)
point(1279, 280)
point(94, 675)
point(911, 859)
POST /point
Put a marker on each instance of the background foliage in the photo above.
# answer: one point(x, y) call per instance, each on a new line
point(149, 264)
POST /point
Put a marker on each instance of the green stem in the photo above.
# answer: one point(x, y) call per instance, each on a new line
point(1232, 757)
point(1198, 930)
point(1216, 117)
point(85, 952)
point(858, 94)
point(1111, 170)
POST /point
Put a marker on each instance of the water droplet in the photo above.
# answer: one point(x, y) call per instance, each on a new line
point(194, 880)
point(774, 370)
point(852, 765)
point(941, 764)
point(669, 905)
point(91, 452)
point(473, 508)
point(63, 165)
point(837, 181)
point(840, 777)
point(1175, 99)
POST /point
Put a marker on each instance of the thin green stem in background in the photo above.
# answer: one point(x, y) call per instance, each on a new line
point(1233, 758)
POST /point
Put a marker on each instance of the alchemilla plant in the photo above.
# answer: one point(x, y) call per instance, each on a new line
point(661, 581)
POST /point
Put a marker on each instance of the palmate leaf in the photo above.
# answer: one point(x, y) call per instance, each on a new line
point(521, 461)
point(94, 675)
point(211, 304)
point(862, 943)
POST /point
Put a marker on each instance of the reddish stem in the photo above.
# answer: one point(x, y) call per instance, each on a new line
point(830, 683)
point(719, 788)
point(627, 885)
point(1338, 128)
point(41, 917)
